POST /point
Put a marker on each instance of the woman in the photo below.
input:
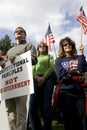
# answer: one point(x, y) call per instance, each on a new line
point(43, 85)
point(68, 67)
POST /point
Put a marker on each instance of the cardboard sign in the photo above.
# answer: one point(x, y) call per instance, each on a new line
point(16, 79)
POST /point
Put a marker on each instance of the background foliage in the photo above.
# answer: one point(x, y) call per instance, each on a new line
point(5, 44)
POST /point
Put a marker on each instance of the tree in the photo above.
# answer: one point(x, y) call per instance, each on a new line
point(5, 44)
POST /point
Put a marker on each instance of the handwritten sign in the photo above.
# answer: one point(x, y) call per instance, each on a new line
point(16, 79)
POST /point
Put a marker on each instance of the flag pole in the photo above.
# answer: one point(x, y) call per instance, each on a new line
point(81, 29)
point(53, 45)
point(81, 35)
point(81, 45)
point(83, 21)
point(54, 50)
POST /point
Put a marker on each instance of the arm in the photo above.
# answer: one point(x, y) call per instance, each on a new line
point(50, 67)
point(61, 72)
point(39, 79)
point(83, 59)
point(81, 49)
point(2, 62)
point(34, 70)
point(82, 65)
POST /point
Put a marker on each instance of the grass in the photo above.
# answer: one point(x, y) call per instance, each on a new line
point(57, 126)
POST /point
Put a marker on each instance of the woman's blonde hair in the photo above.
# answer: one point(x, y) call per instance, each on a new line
point(42, 44)
point(61, 52)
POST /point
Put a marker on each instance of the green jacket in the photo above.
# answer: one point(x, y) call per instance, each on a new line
point(44, 66)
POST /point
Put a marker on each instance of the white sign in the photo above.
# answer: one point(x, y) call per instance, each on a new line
point(16, 79)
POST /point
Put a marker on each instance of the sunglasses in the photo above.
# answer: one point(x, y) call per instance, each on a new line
point(19, 31)
point(67, 44)
point(42, 46)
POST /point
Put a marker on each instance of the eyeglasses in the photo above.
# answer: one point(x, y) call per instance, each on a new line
point(67, 44)
point(42, 46)
point(19, 31)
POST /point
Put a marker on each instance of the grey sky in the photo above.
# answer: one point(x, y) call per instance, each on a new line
point(34, 16)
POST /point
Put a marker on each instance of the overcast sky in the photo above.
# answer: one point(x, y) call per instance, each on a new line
point(34, 16)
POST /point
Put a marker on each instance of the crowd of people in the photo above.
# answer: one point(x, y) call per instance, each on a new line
point(70, 69)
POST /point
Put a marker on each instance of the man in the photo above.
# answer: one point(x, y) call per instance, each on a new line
point(16, 107)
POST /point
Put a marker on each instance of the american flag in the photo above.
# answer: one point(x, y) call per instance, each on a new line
point(81, 17)
point(49, 39)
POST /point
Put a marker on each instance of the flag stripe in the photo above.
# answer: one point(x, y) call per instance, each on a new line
point(49, 39)
point(81, 17)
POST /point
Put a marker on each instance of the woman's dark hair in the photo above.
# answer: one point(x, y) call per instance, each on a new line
point(42, 44)
point(61, 49)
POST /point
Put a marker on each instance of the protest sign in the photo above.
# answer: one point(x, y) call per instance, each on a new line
point(16, 79)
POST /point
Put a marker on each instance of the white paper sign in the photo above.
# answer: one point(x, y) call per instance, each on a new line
point(16, 79)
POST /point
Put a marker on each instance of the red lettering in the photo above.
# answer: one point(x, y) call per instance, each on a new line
point(10, 81)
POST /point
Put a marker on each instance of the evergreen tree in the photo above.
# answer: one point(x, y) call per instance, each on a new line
point(5, 44)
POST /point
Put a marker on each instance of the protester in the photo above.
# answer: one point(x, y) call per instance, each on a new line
point(2, 62)
point(69, 67)
point(84, 85)
point(43, 86)
point(16, 107)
